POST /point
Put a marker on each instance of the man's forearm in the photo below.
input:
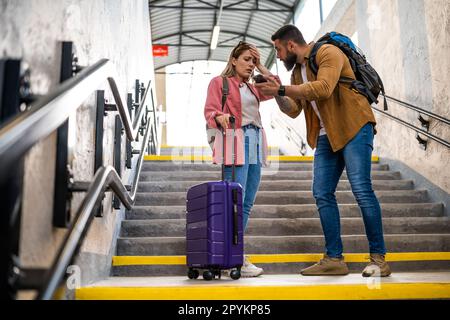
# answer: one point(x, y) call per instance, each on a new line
point(263, 70)
point(284, 104)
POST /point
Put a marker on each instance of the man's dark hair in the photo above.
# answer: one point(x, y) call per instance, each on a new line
point(289, 32)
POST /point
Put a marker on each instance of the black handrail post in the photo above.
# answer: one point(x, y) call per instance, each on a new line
point(11, 187)
point(142, 90)
point(129, 150)
point(117, 154)
point(154, 121)
point(99, 132)
point(137, 95)
point(62, 196)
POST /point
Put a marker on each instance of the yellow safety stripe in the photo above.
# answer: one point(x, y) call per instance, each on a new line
point(199, 158)
point(284, 258)
point(300, 292)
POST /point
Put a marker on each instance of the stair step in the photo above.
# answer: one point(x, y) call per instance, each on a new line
point(206, 158)
point(275, 268)
point(287, 197)
point(288, 244)
point(281, 185)
point(168, 166)
point(144, 266)
point(297, 211)
point(282, 226)
point(196, 150)
point(272, 287)
point(280, 175)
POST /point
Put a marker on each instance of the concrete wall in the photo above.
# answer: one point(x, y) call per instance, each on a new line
point(31, 30)
point(409, 44)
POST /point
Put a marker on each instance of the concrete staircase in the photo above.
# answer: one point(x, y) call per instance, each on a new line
point(284, 235)
point(284, 225)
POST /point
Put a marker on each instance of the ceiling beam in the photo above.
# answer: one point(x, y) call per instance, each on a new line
point(181, 31)
point(207, 3)
point(205, 45)
point(265, 41)
point(194, 38)
point(235, 4)
point(216, 8)
point(208, 56)
point(250, 20)
point(285, 6)
point(231, 39)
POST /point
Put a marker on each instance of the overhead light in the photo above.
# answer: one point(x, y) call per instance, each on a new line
point(215, 37)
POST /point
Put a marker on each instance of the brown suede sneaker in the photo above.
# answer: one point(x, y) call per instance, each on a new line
point(327, 267)
point(377, 267)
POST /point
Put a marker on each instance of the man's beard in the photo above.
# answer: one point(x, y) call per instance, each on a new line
point(291, 60)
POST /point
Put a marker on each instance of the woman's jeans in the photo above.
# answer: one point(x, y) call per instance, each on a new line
point(356, 157)
point(249, 174)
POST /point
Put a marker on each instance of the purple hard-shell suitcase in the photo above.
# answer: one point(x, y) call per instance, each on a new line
point(214, 228)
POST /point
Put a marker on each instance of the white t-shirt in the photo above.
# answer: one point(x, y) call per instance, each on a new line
point(250, 110)
point(313, 103)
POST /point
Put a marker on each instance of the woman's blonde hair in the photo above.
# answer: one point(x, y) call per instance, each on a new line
point(230, 70)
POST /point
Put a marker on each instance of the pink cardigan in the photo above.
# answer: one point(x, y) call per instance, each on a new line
point(233, 106)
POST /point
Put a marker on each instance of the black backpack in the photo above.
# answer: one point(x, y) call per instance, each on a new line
point(368, 82)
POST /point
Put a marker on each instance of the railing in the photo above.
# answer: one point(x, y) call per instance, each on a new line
point(291, 134)
point(424, 123)
point(45, 116)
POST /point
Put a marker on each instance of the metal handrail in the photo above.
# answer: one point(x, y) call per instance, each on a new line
point(105, 177)
point(415, 108)
point(19, 134)
point(418, 130)
point(300, 142)
point(131, 129)
point(22, 132)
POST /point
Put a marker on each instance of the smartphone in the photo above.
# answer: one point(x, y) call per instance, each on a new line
point(259, 78)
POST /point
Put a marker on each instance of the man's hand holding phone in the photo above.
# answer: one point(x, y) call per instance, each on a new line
point(270, 86)
point(259, 78)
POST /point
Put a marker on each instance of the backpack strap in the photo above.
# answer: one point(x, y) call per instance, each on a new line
point(210, 137)
point(312, 57)
point(313, 64)
point(224, 91)
point(385, 107)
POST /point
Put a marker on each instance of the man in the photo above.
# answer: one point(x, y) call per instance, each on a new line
point(340, 125)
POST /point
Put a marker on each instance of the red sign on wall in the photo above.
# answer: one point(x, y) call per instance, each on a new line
point(160, 50)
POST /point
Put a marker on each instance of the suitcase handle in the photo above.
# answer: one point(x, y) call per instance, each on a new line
point(224, 134)
point(234, 191)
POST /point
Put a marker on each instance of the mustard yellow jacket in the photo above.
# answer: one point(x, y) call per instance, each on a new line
point(344, 111)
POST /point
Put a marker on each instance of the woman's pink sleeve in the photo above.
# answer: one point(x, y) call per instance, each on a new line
point(213, 105)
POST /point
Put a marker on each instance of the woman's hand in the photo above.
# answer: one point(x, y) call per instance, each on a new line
point(224, 120)
point(261, 68)
point(255, 53)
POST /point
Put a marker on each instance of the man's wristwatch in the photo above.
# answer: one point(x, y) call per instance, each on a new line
point(282, 91)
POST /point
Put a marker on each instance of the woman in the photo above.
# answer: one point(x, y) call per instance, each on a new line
point(251, 146)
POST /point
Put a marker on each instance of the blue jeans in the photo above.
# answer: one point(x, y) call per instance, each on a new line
point(249, 174)
point(356, 157)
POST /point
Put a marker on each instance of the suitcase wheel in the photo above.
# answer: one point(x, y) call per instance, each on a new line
point(192, 273)
point(235, 274)
point(208, 275)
